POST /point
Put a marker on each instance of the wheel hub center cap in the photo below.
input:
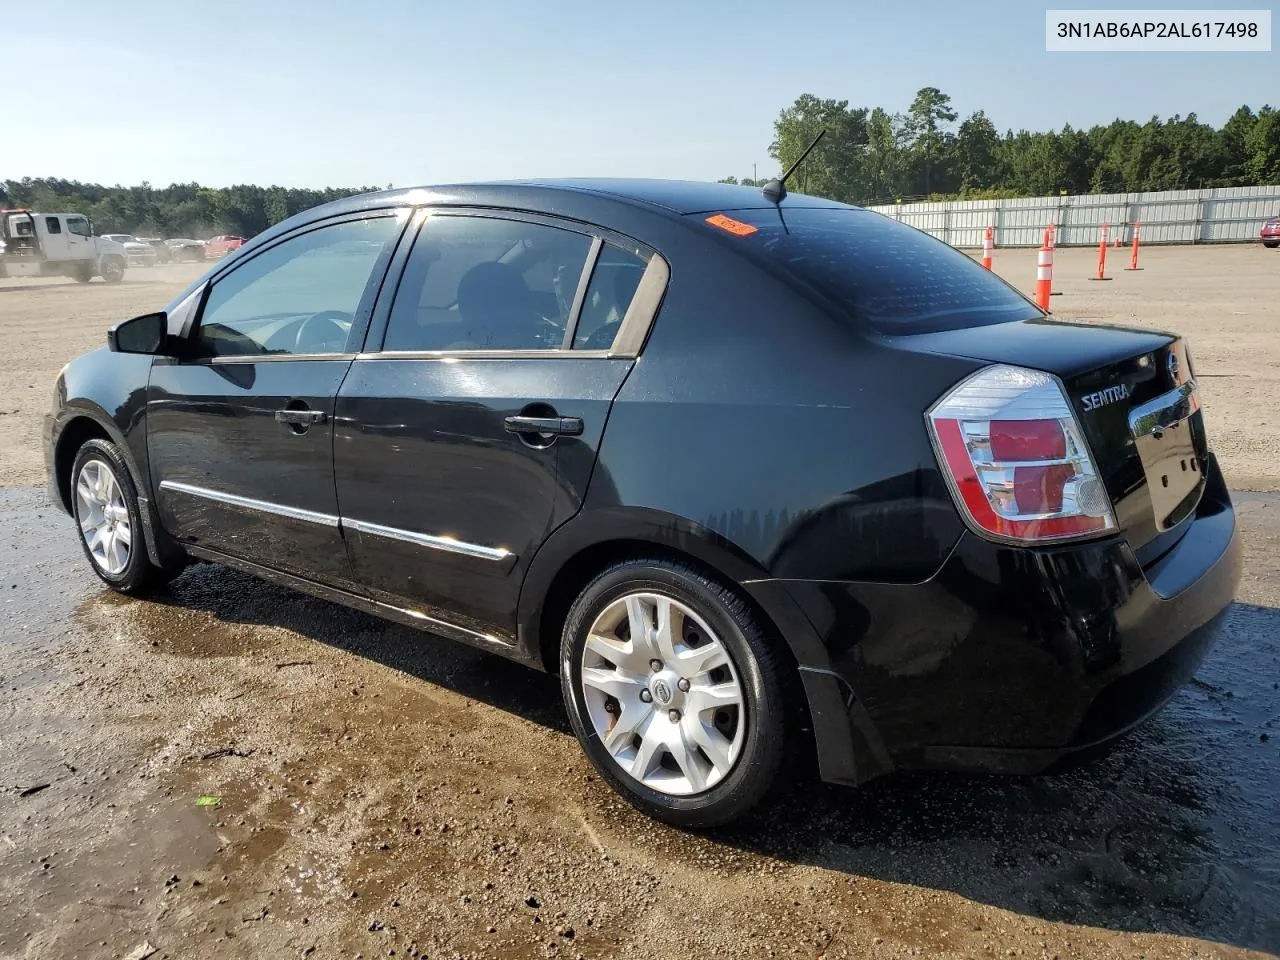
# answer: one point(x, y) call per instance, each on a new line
point(664, 688)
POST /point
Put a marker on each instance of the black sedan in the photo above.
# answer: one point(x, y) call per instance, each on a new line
point(757, 475)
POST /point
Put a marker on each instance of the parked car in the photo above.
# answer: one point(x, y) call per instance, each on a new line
point(181, 249)
point(1271, 233)
point(744, 473)
point(138, 253)
point(221, 246)
point(160, 246)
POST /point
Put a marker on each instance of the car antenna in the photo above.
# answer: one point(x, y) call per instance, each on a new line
point(775, 191)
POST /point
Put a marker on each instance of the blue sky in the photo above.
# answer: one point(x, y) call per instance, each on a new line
point(404, 92)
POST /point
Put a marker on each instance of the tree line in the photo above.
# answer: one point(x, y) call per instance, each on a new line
point(871, 156)
point(178, 210)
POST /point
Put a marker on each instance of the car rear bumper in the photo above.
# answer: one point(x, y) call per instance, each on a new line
point(1014, 660)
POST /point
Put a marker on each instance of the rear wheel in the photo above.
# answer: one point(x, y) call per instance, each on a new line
point(1271, 244)
point(675, 692)
point(104, 502)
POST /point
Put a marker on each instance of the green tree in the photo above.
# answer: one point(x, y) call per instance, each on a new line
point(276, 205)
point(834, 168)
point(886, 156)
point(1233, 149)
point(977, 153)
point(930, 142)
point(1263, 147)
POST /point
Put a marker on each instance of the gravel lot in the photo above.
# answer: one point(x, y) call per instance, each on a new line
point(382, 792)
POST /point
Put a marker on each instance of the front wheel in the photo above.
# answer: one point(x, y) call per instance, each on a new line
point(104, 502)
point(112, 270)
point(1271, 244)
point(676, 692)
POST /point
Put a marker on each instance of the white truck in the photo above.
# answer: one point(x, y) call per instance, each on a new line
point(57, 245)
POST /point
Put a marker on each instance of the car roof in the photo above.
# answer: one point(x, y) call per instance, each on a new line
point(581, 197)
point(679, 196)
point(670, 197)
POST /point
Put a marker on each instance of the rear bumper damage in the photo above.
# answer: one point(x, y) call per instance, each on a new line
point(1016, 660)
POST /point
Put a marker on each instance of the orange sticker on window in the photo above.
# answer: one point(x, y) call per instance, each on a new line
point(736, 227)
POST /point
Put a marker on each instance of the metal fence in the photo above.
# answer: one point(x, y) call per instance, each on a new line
point(1219, 215)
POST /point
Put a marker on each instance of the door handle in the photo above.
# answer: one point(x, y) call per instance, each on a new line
point(559, 426)
point(301, 418)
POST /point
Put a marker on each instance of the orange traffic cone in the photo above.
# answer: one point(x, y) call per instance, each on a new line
point(1102, 254)
point(1044, 274)
point(988, 246)
point(1133, 253)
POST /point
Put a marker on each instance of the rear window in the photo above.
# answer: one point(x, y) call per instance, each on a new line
point(891, 277)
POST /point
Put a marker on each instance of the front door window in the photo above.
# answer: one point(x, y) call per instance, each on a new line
point(299, 297)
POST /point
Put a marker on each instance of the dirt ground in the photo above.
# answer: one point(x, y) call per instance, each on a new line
point(381, 792)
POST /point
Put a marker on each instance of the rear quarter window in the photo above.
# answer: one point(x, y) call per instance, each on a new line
point(884, 275)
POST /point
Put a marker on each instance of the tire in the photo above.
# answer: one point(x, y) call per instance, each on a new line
point(112, 269)
point(1271, 244)
point(99, 477)
point(749, 739)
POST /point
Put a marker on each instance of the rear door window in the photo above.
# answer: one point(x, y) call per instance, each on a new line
point(613, 285)
point(880, 273)
point(483, 283)
point(53, 224)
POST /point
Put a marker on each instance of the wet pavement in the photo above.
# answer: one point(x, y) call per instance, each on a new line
point(381, 792)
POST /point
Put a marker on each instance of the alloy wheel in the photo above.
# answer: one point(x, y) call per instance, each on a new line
point(103, 517)
point(663, 695)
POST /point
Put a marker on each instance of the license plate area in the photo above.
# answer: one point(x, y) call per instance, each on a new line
point(1169, 435)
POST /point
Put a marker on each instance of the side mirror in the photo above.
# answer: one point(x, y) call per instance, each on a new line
point(144, 334)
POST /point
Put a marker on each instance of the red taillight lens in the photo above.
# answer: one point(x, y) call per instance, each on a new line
point(1012, 450)
point(1040, 489)
point(1027, 440)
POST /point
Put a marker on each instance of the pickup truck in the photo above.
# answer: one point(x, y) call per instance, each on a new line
point(57, 245)
point(137, 252)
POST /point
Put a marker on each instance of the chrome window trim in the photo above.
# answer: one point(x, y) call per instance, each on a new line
point(580, 295)
point(248, 503)
point(447, 544)
point(447, 355)
point(267, 358)
point(635, 326)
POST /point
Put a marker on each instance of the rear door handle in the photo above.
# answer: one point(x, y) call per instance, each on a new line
point(559, 426)
point(302, 418)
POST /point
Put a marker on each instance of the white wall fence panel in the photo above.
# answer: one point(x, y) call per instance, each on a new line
point(1218, 215)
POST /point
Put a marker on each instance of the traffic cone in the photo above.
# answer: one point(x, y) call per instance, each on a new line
point(1102, 254)
point(1133, 253)
point(1044, 275)
point(988, 246)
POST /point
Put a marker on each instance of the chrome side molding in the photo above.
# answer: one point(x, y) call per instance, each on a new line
point(248, 503)
point(447, 544)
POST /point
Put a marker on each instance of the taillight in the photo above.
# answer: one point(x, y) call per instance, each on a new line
point(1014, 457)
